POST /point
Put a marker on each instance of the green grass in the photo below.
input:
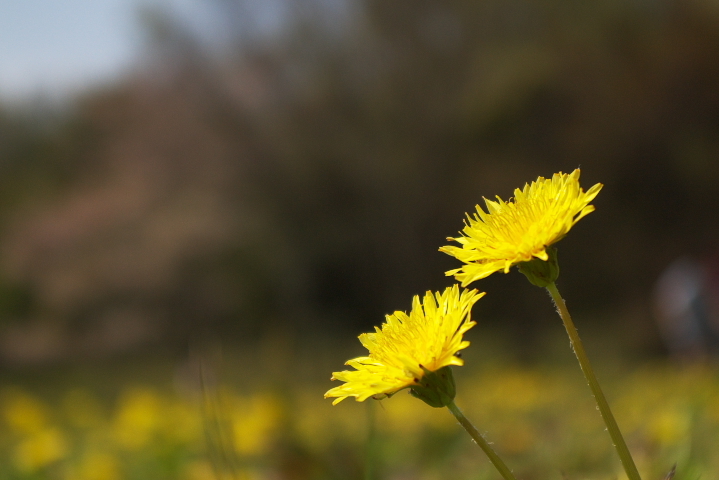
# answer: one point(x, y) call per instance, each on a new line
point(154, 420)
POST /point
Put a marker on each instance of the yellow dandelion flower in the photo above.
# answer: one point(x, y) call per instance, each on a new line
point(408, 347)
point(522, 228)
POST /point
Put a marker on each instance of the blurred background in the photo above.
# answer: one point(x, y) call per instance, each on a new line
point(206, 202)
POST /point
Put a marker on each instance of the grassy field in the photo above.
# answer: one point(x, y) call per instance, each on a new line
point(164, 420)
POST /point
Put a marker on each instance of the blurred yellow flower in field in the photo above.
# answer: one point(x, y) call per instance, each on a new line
point(40, 450)
point(254, 423)
point(408, 346)
point(23, 413)
point(403, 414)
point(138, 418)
point(670, 425)
point(521, 229)
point(318, 428)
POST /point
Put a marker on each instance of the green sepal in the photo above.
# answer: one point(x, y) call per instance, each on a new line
point(436, 389)
point(539, 272)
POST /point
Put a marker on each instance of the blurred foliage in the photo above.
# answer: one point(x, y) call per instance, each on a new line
point(306, 177)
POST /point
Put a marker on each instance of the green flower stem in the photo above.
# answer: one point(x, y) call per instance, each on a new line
point(609, 421)
point(479, 439)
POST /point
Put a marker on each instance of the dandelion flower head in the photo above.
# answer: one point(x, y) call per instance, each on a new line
point(408, 345)
point(520, 229)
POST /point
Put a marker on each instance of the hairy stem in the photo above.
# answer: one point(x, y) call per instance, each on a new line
point(609, 421)
point(479, 439)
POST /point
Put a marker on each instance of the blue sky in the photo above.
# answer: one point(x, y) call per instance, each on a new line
point(56, 46)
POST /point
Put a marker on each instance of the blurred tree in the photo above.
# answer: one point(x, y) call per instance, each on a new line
point(304, 175)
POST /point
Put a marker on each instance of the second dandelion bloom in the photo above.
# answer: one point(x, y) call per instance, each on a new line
point(521, 229)
point(416, 351)
point(409, 349)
